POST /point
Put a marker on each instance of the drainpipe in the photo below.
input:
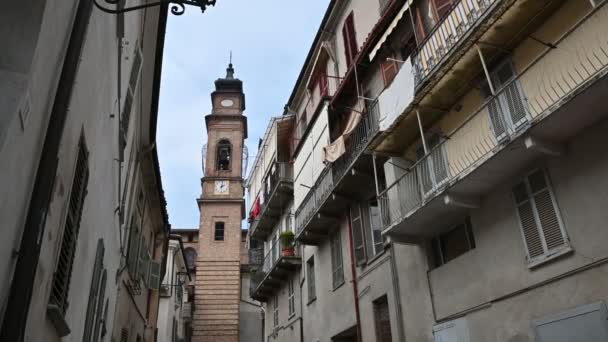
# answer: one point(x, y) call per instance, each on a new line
point(397, 291)
point(20, 296)
point(354, 275)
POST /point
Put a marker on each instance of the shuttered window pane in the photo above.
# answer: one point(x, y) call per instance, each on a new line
point(63, 270)
point(539, 216)
point(94, 293)
point(548, 220)
point(531, 233)
point(358, 240)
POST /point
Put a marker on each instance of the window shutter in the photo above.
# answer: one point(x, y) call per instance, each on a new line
point(350, 41)
point(442, 8)
point(124, 335)
point(58, 301)
point(323, 84)
point(144, 261)
point(133, 251)
point(389, 71)
point(128, 103)
point(99, 319)
point(154, 275)
point(358, 237)
point(94, 292)
point(420, 32)
point(541, 226)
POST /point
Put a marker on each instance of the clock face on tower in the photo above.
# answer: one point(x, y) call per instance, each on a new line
point(221, 187)
point(227, 103)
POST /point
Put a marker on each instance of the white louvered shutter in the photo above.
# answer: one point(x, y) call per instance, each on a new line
point(541, 226)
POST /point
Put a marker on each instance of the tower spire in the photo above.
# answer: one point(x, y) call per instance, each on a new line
point(230, 69)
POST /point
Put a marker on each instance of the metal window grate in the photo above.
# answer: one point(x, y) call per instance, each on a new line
point(63, 271)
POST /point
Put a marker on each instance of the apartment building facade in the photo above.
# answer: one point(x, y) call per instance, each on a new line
point(175, 308)
point(446, 173)
point(86, 223)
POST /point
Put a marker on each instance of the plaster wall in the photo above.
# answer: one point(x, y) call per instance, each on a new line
point(512, 293)
point(21, 145)
point(308, 162)
point(93, 112)
point(289, 326)
point(333, 310)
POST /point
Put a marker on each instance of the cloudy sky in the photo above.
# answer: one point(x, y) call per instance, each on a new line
point(269, 40)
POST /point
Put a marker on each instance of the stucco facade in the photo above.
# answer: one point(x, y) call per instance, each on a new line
point(68, 109)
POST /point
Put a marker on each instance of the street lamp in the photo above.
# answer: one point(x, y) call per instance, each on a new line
point(178, 7)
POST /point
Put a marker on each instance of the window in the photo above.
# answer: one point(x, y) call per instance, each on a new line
point(191, 256)
point(219, 231)
point(125, 116)
point(455, 330)
point(507, 110)
point(384, 5)
point(442, 8)
point(449, 245)
point(323, 83)
point(389, 68)
point(302, 125)
point(358, 237)
point(350, 40)
point(275, 311)
point(336, 259)
point(124, 335)
point(58, 301)
point(382, 320)
point(224, 150)
point(310, 274)
point(542, 228)
point(291, 297)
point(94, 313)
point(374, 241)
point(133, 249)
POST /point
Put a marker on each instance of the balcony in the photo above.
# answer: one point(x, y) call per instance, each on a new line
point(532, 115)
point(277, 192)
point(464, 16)
point(349, 177)
point(267, 278)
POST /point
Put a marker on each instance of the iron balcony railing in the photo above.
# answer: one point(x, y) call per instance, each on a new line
point(271, 259)
point(331, 175)
point(536, 92)
point(279, 172)
point(463, 17)
point(256, 257)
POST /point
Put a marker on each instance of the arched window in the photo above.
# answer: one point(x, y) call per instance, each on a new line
point(190, 257)
point(224, 151)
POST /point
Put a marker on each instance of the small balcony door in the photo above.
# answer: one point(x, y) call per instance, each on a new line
point(508, 111)
point(433, 169)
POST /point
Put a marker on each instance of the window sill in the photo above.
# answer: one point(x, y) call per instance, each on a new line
point(53, 313)
point(312, 300)
point(532, 264)
point(339, 285)
point(375, 257)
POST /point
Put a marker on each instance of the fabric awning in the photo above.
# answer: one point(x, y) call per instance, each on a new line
point(390, 29)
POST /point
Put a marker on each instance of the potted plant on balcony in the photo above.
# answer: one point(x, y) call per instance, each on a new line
point(287, 239)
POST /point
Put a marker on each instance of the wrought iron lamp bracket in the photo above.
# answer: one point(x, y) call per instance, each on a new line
point(178, 7)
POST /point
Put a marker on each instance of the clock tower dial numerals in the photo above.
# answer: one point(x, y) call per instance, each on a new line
point(221, 187)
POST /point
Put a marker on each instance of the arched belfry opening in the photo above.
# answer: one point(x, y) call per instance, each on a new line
point(224, 155)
